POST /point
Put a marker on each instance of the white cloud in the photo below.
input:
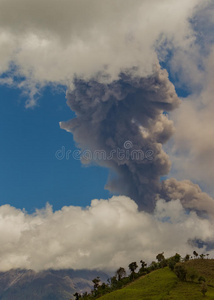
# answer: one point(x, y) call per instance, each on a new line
point(106, 235)
point(51, 41)
point(193, 149)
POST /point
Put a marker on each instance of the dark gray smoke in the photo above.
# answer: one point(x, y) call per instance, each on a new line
point(110, 116)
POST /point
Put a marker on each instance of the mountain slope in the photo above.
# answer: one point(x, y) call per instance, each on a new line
point(163, 284)
point(46, 285)
point(153, 286)
point(204, 267)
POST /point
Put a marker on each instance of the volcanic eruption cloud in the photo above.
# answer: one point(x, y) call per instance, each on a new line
point(123, 64)
point(123, 125)
point(126, 120)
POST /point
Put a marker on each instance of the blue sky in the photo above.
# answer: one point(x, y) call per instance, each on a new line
point(31, 175)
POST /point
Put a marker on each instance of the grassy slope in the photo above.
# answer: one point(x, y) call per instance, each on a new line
point(205, 267)
point(164, 285)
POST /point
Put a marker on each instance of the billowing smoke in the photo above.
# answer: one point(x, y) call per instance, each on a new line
point(126, 122)
point(190, 195)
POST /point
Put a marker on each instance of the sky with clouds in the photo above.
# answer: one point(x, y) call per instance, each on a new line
point(136, 75)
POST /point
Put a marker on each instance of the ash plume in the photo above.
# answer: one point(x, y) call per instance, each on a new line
point(190, 195)
point(128, 109)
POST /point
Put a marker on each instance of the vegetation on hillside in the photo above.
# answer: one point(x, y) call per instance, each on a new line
point(191, 277)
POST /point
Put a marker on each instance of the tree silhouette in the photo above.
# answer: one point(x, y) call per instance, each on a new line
point(77, 296)
point(120, 273)
point(96, 282)
point(143, 267)
point(160, 257)
point(195, 254)
point(177, 257)
point(133, 266)
point(143, 264)
point(187, 257)
point(113, 282)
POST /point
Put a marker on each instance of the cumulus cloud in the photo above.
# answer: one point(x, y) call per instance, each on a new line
point(50, 42)
point(191, 150)
point(193, 146)
point(106, 235)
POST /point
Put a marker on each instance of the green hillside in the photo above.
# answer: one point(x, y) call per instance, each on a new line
point(163, 284)
point(204, 267)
